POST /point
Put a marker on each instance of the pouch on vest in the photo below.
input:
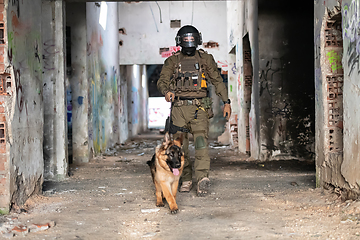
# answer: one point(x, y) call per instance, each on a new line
point(207, 104)
point(189, 78)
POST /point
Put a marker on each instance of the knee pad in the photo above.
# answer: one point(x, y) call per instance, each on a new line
point(200, 143)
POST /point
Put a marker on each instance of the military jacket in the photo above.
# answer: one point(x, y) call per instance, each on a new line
point(207, 68)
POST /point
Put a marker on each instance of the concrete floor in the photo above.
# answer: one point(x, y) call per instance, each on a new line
point(112, 197)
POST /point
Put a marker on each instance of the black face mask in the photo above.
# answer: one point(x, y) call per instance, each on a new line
point(190, 51)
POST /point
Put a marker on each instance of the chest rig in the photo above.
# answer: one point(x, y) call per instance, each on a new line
point(188, 80)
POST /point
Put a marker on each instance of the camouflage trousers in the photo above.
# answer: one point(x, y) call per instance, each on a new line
point(184, 116)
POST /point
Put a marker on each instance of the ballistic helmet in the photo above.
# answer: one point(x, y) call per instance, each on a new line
point(188, 36)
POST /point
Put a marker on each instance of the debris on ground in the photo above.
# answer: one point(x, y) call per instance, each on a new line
point(113, 197)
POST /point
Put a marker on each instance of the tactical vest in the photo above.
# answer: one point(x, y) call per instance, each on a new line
point(188, 80)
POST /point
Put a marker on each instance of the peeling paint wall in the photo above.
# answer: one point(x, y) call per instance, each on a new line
point(103, 75)
point(24, 110)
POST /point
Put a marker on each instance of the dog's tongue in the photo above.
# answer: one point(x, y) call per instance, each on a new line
point(175, 171)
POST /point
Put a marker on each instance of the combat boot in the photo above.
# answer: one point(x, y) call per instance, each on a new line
point(203, 187)
point(186, 186)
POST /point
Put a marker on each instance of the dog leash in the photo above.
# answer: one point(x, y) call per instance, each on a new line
point(170, 127)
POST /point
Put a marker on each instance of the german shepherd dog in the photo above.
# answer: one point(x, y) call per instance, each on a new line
point(166, 167)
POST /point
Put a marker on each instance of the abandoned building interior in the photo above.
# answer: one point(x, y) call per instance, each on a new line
point(77, 78)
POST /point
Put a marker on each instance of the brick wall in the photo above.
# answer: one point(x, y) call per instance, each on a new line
point(4, 173)
point(2, 37)
point(5, 85)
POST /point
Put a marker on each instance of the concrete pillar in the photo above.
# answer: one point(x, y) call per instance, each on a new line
point(24, 110)
point(252, 25)
point(55, 126)
point(60, 123)
point(134, 99)
point(77, 75)
point(240, 81)
point(144, 99)
point(230, 135)
point(123, 105)
point(232, 90)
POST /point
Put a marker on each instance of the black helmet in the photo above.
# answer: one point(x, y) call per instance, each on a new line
point(188, 36)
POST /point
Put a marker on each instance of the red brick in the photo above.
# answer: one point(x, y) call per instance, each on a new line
point(2, 149)
point(2, 164)
point(2, 67)
point(2, 192)
point(3, 185)
point(1, 7)
point(1, 17)
point(2, 181)
point(2, 116)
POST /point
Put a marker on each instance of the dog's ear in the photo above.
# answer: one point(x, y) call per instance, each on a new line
point(167, 138)
point(179, 140)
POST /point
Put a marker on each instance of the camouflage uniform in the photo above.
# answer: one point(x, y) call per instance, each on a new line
point(191, 107)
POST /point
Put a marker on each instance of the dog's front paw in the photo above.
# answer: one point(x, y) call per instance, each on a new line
point(174, 211)
point(160, 204)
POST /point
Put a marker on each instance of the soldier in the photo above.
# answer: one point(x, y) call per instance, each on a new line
point(183, 82)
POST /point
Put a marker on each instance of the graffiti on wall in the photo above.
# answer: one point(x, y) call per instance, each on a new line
point(287, 107)
point(273, 72)
point(49, 52)
point(158, 111)
point(103, 97)
point(24, 56)
point(16, 4)
point(234, 69)
point(167, 52)
point(223, 64)
point(334, 60)
point(351, 32)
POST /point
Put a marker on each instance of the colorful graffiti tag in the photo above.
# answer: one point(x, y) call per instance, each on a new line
point(170, 52)
point(334, 60)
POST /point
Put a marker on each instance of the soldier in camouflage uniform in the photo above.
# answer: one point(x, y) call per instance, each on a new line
point(183, 81)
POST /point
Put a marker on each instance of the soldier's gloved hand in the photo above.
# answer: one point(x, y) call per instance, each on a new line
point(169, 96)
point(227, 111)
